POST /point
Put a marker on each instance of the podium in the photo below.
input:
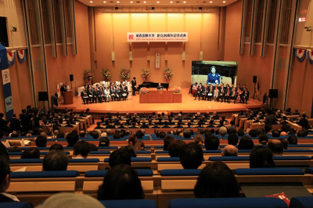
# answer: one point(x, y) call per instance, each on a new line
point(68, 97)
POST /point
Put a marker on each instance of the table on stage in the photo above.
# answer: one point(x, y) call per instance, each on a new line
point(68, 97)
point(160, 97)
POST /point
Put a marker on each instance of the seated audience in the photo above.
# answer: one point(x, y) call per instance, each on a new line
point(41, 141)
point(175, 147)
point(275, 133)
point(121, 182)
point(71, 139)
point(187, 134)
point(139, 146)
point(62, 200)
point(302, 133)
point(31, 153)
point(222, 131)
point(212, 143)
point(292, 139)
point(253, 133)
point(285, 143)
point(119, 156)
point(191, 156)
point(140, 134)
point(260, 157)
point(14, 149)
point(130, 150)
point(263, 139)
point(104, 142)
point(198, 139)
point(162, 134)
point(93, 147)
point(132, 139)
point(82, 134)
point(55, 160)
point(245, 143)
point(166, 141)
point(233, 139)
point(95, 134)
point(81, 150)
point(56, 147)
point(230, 150)
point(276, 146)
point(216, 181)
point(240, 132)
point(116, 135)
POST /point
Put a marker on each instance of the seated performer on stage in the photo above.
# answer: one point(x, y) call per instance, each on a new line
point(194, 89)
point(159, 87)
point(199, 91)
point(210, 92)
point(213, 77)
point(233, 95)
point(227, 94)
point(221, 94)
point(94, 95)
point(205, 92)
point(84, 96)
point(216, 93)
point(244, 96)
point(118, 93)
point(112, 93)
point(107, 95)
point(238, 97)
point(124, 92)
point(99, 93)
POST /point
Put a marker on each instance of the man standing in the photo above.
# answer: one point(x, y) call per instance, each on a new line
point(63, 90)
point(134, 83)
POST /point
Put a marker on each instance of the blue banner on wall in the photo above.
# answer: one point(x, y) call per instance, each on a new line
point(6, 82)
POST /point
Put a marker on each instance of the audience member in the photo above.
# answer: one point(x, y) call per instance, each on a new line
point(93, 147)
point(261, 156)
point(222, 131)
point(245, 143)
point(14, 149)
point(263, 139)
point(275, 133)
point(41, 141)
point(253, 133)
point(198, 139)
point(187, 134)
point(104, 142)
point(175, 147)
point(191, 156)
point(140, 134)
point(71, 139)
point(56, 147)
point(116, 135)
point(276, 146)
point(31, 153)
point(121, 182)
point(212, 143)
point(139, 146)
point(166, 141)
point(284, 142)
point(292, 139)
point(81, 150)
point(216, 181)
point(5, 178)
point(240, 132)
point(233, 139)
point(55, 160)
point(119, 156)
point(230, 150)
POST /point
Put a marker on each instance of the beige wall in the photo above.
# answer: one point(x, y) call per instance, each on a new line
point(110, 35)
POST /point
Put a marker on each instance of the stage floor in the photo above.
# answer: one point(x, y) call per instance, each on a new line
point(132, 105)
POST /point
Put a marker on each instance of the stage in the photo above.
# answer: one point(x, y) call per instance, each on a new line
point(132, 105)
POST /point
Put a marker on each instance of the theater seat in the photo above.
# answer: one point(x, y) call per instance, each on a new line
point(135, 203)
point(135, 159)
point(26, 161)
point(291, 158)
point(301, 202)
point(309, 170)
point(168, 159)
point(180, 172)
point(261, 202)
point(87, 160)
point(16, 205)
point(229, 158)
point(269, 171)
point(45, 174)
point(212, 151)
point(99, 152)
point(101, 173)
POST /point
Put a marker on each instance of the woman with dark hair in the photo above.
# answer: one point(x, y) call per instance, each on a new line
point(260, 157)
point(121, 182)
point(216, 181)
point(245, 143)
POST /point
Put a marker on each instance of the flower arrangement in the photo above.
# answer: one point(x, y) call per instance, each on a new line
point(144, 90)
point(125, 73)
point(177, 90)
point(146, 73)
point(168, 73)
point(88, 75)
point(106, 74)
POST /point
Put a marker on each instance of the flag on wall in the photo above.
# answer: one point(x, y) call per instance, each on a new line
point(300, 54)
point(21, 55)
point(309, 54)
point(11, 57)
point(6, 82)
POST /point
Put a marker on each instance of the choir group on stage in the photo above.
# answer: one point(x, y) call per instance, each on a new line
point(102, 93)
point(220, 93)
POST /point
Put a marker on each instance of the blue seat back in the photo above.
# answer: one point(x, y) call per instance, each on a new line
point(180, 172)
point(135, 203)
point(15, 205)
point(229, 158)
point(301, 202)
point(269, 171)
point(45, 174)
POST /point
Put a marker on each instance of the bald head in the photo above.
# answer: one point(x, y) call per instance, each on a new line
point(276, 146)
point(230, 150)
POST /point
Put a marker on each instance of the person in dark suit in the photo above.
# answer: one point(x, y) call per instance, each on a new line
point(227, 93)
point(118, 93)
point(15, 123)
point(269, 120)
point(144, 125)
point(304, 122)
point(221, 94)
point(233, 95)
point(5, 178)
point(84, 96)
point(25, 121)
point(244, 96)
point(134, 83)
point(160, 87)
point(199, 91)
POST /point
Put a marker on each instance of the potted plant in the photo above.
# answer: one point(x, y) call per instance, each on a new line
point(88, 76)
point(146, 74)
point(125, 74)
point(168, 73)
point(106, 74)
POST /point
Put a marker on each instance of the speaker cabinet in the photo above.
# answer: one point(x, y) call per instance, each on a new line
point(273, 93)
point(255, 78)
point(43, 96)
point(71, 77)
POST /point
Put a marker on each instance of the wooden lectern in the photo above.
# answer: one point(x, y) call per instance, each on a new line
point(68, 97)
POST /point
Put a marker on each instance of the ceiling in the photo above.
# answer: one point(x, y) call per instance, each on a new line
point(158, 3)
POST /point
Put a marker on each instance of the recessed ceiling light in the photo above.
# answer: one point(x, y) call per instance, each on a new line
point(158, 2)
point(144, 2)
point(224, 2)
point(184, 2)
point(104, 2)
point(211, 2)
point(171, 2)
point(131, 2)
point(91, 2)
point(118, 2)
